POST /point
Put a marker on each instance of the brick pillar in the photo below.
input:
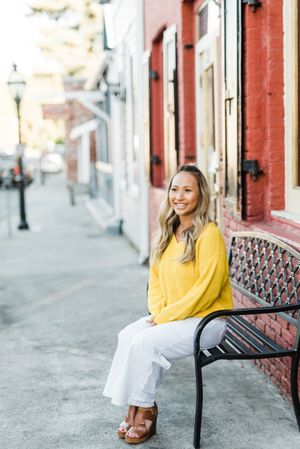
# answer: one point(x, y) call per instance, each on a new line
point(76, 114)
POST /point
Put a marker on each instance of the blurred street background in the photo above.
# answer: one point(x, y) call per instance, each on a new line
point(100, 102)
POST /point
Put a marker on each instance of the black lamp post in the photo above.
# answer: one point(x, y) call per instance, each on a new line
point(17, 84)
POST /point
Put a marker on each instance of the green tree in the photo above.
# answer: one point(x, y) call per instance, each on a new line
point(70, 32)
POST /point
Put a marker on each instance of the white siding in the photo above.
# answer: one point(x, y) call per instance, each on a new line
point(125, 121)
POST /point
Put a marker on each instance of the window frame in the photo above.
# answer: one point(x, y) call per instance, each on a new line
point(171, 159)
point(291, 29)
point(232, 98)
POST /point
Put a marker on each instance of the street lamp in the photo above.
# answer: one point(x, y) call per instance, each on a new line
point(16, 85)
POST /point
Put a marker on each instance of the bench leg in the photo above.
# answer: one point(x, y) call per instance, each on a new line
point(294, 387)
point(199, 405)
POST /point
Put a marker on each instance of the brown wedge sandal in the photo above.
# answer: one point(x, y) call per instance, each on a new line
point(146, 417)
point(128, 421)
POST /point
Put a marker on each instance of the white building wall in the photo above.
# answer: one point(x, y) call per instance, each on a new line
point(126, 120)
point(83, 158)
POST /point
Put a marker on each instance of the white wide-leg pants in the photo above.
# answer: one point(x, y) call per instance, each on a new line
point(145, 351)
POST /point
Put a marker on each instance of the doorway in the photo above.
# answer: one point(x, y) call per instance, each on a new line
point(207, 105)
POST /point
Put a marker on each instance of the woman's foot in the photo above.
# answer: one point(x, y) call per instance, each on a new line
point(144, 425)
point(128, 421)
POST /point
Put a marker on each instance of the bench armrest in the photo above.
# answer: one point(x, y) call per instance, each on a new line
point(235, 312)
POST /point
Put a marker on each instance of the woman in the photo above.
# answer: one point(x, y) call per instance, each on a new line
point(188, 280)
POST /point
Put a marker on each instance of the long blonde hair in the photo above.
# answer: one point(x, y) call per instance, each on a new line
point(169, 221)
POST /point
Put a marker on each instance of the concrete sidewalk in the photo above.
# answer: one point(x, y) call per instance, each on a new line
point(66, 289)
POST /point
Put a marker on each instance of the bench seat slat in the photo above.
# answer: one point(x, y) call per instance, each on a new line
point(237, 344)
point(229, 345)
point(232, 348)
point(262, 337)
point(248, 338)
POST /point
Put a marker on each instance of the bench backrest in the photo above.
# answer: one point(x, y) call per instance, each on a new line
point(266, 270)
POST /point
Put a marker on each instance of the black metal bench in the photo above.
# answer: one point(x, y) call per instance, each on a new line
point(267, 271)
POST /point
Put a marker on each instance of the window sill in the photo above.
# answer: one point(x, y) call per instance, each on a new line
point(281, 226)
point(286, 216)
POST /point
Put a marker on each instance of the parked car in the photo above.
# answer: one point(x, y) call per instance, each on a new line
point(10, 172)
point(6, 163)
point(51, 163)
point(28, 178)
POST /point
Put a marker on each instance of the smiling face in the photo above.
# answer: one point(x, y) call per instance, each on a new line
point(184, 195)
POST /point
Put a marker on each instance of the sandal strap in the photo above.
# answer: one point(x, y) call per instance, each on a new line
point(146, 413)
point(124, 424)
point(153, 409)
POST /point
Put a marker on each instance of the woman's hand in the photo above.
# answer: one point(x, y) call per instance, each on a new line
point(151, 320)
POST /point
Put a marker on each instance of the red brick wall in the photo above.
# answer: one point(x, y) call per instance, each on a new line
point(75, 114)
point(157, 111)
point(186, 85)
point(263, 123)
point(263, 120)
point(263, 139)
point(54, 111)
point(263, 112)
point(158, 15)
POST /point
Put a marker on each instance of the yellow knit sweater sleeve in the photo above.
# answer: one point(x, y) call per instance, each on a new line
point(156, 299)
point(212, 266)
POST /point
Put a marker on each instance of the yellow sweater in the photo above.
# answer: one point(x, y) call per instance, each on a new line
point(194, 289)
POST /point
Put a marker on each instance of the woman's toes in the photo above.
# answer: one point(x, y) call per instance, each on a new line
point(131, 433)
